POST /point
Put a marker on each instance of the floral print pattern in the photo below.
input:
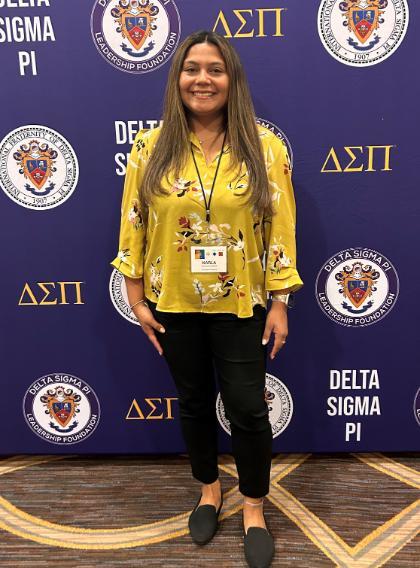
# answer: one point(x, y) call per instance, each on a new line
point(158, 251)
point(257, 295)
point(134, 215)
point(123, 260)
point(240, 183)
point(182, 186)
point(193, 231)
point(123, 256)
point(220, 289)
point(156, 275)
point(277, 258)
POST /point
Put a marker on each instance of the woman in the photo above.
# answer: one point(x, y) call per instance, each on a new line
point(205, 196)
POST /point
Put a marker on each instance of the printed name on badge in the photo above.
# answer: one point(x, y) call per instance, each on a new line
point(209, 259)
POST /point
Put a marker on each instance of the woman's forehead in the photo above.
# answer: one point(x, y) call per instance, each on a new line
point(204, 51)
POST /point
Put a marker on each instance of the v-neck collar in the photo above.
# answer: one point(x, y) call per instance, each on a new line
point(196, 142)
point(194, 139)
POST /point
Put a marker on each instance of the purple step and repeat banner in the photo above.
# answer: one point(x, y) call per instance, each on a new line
point(337, 81)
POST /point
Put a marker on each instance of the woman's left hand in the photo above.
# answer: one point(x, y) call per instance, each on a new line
point(276, 322)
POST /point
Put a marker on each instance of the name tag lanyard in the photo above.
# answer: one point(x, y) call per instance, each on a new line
point(207, 204)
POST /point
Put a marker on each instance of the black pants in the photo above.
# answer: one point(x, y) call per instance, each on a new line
point(193, 345)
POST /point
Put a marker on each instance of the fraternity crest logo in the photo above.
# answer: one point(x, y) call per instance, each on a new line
point(62, 404)
point(36, 161)
point(362, 22)
point(357, 287)
point(119, 298)
point(357, 284)
point(279, 402)
point(38, 167)
point(135, 23)
point(136, 36)
point(362, 32)
point(61, 408)
point(280, 134)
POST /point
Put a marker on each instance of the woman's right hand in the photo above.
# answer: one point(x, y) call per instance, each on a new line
point(149, 324)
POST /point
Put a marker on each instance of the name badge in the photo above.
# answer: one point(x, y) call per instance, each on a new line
point(209, 259)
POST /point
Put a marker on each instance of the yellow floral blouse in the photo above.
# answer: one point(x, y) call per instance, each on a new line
point(161, 255)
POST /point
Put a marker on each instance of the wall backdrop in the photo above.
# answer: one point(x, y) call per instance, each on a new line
point(336, 80)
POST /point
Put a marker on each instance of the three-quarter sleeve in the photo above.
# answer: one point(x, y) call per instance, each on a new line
point(129, 260)
point(279, 230)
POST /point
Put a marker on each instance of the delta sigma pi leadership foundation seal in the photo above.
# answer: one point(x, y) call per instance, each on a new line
point(357, 287)
point(362, 32)
point(136, 36)
point(61, 408)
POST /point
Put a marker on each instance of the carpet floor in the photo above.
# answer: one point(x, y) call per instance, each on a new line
point(347, 510)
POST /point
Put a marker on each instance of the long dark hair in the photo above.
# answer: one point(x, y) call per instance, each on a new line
point(242, 130)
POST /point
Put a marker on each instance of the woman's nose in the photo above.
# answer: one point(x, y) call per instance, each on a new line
point(203, 76)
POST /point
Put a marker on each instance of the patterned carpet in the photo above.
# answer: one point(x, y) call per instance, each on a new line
point(348, 510)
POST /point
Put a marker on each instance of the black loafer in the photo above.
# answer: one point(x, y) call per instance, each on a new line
point(258, 547)
point(203, 522)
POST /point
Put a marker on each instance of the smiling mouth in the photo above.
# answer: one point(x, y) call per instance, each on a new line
point(203, 94)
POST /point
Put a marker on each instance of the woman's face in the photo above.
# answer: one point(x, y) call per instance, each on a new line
point(204, 82)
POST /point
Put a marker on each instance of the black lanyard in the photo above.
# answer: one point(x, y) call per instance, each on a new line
point(214, 179)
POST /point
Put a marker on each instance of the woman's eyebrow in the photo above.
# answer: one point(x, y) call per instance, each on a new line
point(192, 62)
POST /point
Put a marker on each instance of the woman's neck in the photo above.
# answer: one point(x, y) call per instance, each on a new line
point(202, 126)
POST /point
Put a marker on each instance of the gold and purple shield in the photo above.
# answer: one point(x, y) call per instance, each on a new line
point(363, 21)
point(136, 28)
point(62, 411)
point(37, 169)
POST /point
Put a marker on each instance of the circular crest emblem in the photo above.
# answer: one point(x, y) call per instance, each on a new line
point(280, 134)
point(362, 32)
point(416, 407)
point(118, 293)
point(136, 36)
point(61, 409)
point(279, 401)
point(38, 167)
point(357, 287)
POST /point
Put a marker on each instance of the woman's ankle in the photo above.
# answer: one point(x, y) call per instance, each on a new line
point(212, 490)
point(215, 485)
point(253, 501)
